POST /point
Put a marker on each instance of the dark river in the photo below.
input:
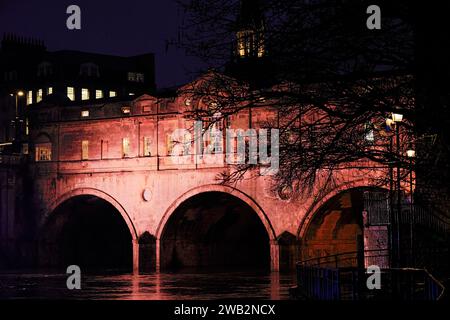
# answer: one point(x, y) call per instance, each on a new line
point(157, 286)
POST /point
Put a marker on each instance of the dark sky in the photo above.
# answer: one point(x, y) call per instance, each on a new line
point(112, 27)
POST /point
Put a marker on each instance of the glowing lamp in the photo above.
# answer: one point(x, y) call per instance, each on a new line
point(410, 153)
point(397, 117)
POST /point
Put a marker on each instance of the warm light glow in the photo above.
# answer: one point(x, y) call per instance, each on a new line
point(147, 147)
point(85, 113)
point(71, 93)
point(39, 96)
point(43, 152)
point(126, 147)
point(29, 97)
point(20, 93)
point(397, 117)
point(250, 43)
point(85, 150)
point(84, 94)
point(411, 153)
point(98, 94)
point(126, 110)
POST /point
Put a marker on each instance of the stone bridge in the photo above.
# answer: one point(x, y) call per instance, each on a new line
point(107, 195)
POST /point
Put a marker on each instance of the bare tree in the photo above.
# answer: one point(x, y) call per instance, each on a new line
point(332, 81)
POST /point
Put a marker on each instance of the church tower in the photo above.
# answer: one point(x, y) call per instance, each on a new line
point(250, 28)
point(250, 61)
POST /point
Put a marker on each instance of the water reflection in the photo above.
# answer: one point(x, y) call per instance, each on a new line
point(157, 286)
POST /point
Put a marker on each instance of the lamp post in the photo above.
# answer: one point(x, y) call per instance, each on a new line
point(396, 119)
point(17, 94)
point(411, 154)
point(390, 124)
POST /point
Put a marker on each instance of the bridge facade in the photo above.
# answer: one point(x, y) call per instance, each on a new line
point(103, 181)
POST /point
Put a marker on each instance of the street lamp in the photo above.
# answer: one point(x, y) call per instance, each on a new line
point(395, 120)
point(17, 94)
point(397, 117)
point(411, 154)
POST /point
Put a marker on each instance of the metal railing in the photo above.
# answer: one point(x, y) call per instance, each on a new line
point(342, 277)
point(349, 259)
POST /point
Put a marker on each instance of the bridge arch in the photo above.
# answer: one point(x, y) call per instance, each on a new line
point(335, 224)
point(90, 192)
point(325, 198)
point(232, 193)
point(68, 213)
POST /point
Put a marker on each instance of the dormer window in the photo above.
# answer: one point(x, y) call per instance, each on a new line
point(135, 77)
point(45, 69)
point(89, 70)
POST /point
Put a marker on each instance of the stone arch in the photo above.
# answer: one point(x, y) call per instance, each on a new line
point(106, 198)
point(91, 192)
point(335, 224)
point(229, 191)
point(315, 206)
point(217, 188)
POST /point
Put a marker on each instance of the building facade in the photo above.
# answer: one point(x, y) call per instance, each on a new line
point(106, 190)
point(29, 73)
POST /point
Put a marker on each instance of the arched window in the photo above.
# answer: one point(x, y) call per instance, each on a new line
point(43, 148)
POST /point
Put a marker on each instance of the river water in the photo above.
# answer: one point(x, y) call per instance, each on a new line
point(157, 286)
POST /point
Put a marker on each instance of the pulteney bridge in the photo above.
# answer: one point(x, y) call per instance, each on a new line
point(108, 195)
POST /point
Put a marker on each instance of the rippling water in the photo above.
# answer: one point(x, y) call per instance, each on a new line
point(162, 286)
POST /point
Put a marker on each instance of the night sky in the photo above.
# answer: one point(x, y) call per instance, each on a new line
point(111, 27)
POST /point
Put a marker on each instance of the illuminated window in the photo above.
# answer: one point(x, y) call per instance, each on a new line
point(85, 113)
point(250, 43)
point(126, 110)
point(71, 93)
point(147, 146)
point(112, 94)
point(136, 77)
point(84, 94)
point(44, 152)
point(29, 97)
point(84, 149)
point(169, 144)
point(39, 96)
point(98, 94)
point(50, 90)
point(27, 126)
point(126, 147)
